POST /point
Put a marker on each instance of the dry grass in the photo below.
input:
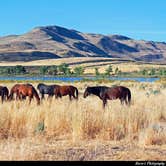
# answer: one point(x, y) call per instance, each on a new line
point(82, 130)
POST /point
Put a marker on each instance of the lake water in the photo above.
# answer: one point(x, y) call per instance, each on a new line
point(72, 79)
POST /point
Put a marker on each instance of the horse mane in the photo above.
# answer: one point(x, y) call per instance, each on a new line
point(40, 84)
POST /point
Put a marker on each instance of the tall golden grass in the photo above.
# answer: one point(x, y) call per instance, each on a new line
point(144, 121)
point(85, 118)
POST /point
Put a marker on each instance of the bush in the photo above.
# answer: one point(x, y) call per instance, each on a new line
point(14, 70)
point(117, 71)
point(79, 71)
point(43, 70)
point(64, 69)
point(97, 71)
point(108, 71)
point(53, 70)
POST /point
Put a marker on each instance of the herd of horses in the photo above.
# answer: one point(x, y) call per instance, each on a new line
point(21, 91)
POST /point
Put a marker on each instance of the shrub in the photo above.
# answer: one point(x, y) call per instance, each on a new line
point(79, 70)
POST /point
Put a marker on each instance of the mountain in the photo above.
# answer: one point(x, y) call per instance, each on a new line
point(52, 42)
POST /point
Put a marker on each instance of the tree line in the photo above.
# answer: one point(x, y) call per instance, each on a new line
point(54, 70)
point(64, 70)
point(154, 72)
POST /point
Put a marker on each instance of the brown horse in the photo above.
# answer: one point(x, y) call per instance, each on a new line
point(110, 93)
point(14, 90)
point(4, 93)
point(24, 90)
point(60, 91)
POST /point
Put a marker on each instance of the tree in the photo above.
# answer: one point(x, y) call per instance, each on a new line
point(20, 69)
point(144, 72)
point(43, 70)
point(68, 72)
point(152, 72)
point(164, 72)
point(108, 71)
point(161, 72)
point(8, 70)
point(79, 70)
point(97, 73)
point(53, 70)
point(117, 71)
point(64, 69)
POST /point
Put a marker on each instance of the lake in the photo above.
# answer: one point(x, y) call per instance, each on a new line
point(73, 79)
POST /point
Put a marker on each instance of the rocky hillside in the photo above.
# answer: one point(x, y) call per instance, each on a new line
point(57, 42)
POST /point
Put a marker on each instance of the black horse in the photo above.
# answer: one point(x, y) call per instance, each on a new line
point(110, 93)
point(4, 93)
point(46, 89)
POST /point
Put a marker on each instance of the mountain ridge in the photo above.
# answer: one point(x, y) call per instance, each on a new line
point(46, 41)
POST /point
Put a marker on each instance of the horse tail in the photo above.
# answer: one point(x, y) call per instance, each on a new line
point(76, 90)
point(10, 97)
point(2, 95)
point(6, 93)
point(36, 95)
point(129, 97)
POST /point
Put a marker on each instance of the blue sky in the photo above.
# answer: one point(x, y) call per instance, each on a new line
point(139, 19)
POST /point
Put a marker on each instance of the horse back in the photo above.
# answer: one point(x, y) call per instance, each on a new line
point(65, 90)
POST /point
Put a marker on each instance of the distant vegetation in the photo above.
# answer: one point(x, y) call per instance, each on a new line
point(64, 70)
point(54, 70)
point(154, 72)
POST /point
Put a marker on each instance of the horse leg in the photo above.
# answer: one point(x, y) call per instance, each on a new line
point(30, 99)
point(59, 95)
point(70, 97)
point(122, 101)
point(56, 96)
point(42, 96)
point(104, 103)
point(49, 96)
point(2, 98)
point(17, 96)
point(126, 102)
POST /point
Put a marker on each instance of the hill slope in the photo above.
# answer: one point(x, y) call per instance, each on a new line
point(55, 42)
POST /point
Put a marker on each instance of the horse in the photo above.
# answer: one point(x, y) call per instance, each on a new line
point(14, 90)
point(4, 93)
point(28, 90)
point(110, 93)
point(72, 91)
point(24, 90)
point(46, 89)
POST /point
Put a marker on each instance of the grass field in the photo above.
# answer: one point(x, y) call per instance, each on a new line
point(82, 130)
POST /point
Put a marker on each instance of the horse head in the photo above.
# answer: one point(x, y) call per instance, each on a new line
point(86, 93)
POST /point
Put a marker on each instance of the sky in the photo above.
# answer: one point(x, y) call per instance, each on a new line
point(138, 19)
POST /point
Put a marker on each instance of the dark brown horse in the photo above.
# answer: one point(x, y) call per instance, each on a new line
point(4, 93)
point(46, 89)
point(60, 91)
point(24, 90)
point(110, 93)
